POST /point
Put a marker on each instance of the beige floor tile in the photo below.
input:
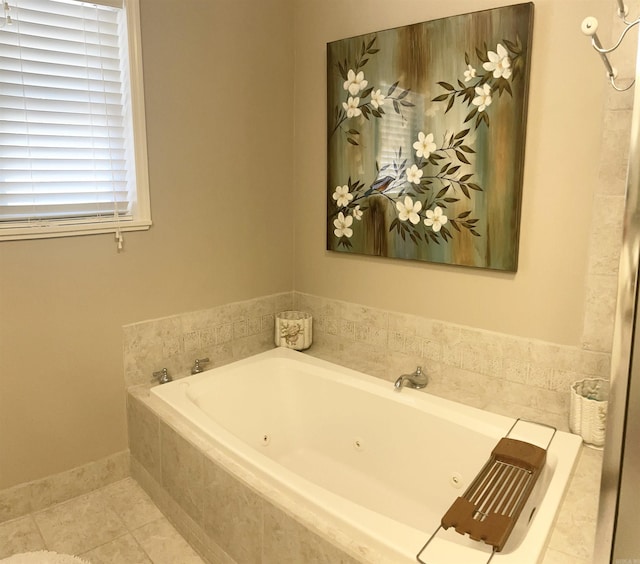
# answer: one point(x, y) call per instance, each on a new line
point(164, 545)
point(123, 550)
point(130, 502)
point(79, 525)
point(19, 535)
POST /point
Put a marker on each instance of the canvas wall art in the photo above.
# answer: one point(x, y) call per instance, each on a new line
point(426, 139)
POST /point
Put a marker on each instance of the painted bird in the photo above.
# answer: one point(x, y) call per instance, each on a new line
point(381, 184)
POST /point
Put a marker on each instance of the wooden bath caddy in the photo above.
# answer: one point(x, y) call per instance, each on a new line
point(489, 508)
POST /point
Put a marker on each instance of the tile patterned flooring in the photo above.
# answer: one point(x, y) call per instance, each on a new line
point(115, 524)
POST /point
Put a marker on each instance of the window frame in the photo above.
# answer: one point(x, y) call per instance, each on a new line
point(140, 219)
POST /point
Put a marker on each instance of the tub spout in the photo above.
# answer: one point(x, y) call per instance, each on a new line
point(416, 380)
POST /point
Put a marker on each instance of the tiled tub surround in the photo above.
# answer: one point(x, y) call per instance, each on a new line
point(336, 459)
point(510, 375)
point(231, 516)
point(227, 514)
point(501, 373)
point(222, 334)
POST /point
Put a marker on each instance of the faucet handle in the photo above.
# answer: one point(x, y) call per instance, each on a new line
point(162, 376)
point(197, 368)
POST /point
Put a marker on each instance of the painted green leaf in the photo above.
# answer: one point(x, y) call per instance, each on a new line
point(447, 86)
point(366, 92)
point(462, 158)
point(471, 115)
point(450, 104)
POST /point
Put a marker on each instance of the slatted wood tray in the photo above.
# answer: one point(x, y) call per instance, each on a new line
point(489, 508)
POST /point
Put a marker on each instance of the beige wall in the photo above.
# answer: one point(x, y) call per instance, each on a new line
point(219, 95)
point(222, 137)
point(545, 298)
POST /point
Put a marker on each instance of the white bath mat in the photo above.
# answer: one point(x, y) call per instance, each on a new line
point(42, 557)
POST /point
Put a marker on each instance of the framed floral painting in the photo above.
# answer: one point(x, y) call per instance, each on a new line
point(426, 139)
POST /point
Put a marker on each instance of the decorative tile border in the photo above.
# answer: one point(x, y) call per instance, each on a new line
point(507, 374)
point(223, 334)
point(512, 375)
point(26, 498)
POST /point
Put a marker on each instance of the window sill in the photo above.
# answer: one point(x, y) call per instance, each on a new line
point(49, 231)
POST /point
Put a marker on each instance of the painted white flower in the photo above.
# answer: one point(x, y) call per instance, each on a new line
point(414, 174)
point(435, 219)
point(499, 62)
point(377, 98)
point(483, 97)
point(469, 74)
point(424, 146)
point(357, 212)
point(342, 225)
point(355, 82)
point(409, 210)
point(342, 196)
point(351, 107)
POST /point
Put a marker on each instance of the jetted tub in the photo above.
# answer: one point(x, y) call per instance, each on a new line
point(382, 465)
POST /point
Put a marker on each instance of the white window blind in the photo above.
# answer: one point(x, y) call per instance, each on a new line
point(71, 160)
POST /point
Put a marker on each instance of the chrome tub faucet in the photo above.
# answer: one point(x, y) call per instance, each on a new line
point(416, 380)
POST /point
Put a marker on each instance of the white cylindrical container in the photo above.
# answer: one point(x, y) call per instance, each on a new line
point(588, 410)
point(293, 330)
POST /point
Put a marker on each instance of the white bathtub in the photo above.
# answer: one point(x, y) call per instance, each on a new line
point(383, 466)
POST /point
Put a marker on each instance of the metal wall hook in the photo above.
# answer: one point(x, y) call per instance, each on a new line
point(590, 28)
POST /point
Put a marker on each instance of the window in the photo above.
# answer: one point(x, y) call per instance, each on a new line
point(73, 154)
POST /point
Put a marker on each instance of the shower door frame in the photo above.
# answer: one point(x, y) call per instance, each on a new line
point(623, 418)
